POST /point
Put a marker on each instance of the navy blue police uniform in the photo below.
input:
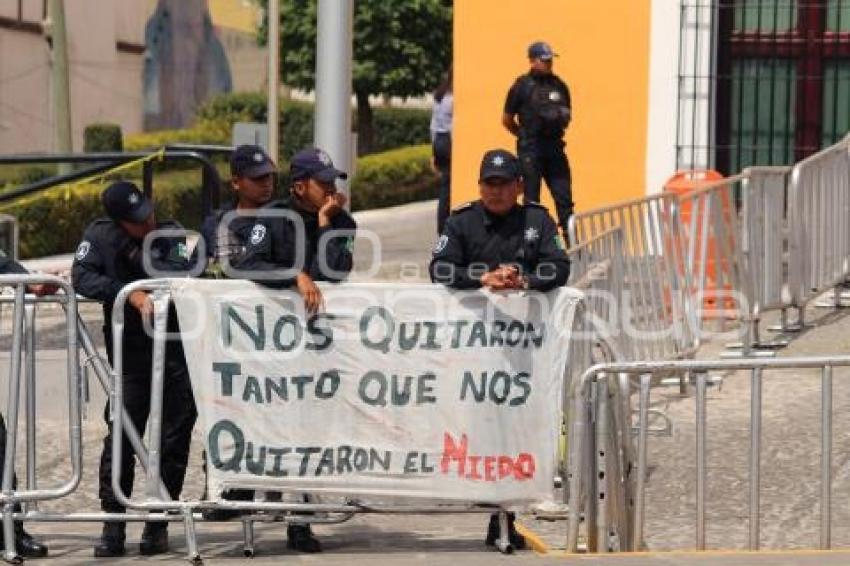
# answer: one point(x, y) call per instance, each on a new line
point(476, 241)
point(542, 103)
point(106, 260)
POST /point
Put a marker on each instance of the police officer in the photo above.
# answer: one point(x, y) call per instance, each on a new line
point(253, 179)
point(318, 207)
point(495, 243)
point(316, 212)
point(538, 111)
point(109, 257)
point(252, 174)
point(25, 545)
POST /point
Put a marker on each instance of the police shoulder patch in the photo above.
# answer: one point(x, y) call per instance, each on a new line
point(258, 234)
point(83, 250)
point(441, 244)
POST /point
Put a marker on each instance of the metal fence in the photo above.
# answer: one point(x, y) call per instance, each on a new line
point(655, 307)
point(819, 239)
point(157, 500)
point(607, 377)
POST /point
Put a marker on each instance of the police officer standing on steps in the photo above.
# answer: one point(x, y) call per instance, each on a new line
point(541, 103)
point(109, 257)
point(495, 243)
point(25, 545)
point(328, 233)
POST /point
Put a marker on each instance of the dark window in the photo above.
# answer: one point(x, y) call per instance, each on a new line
point(782, 88)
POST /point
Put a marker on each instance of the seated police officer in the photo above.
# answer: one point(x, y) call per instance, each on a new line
point(109, 257)
point(25, 545)
point(498, 244)
point(272, 248)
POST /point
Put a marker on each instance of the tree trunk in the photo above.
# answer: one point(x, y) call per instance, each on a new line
point(365, 133)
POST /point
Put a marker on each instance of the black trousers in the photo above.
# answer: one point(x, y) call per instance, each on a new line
point(549, 163)
point(442, 149)
point(179, 414)
point(3, 453)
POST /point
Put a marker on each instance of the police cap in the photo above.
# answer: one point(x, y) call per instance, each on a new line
point(499, 164)
point(251, 161)
point(124, 201)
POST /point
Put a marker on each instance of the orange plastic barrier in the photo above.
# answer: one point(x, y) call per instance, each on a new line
point(682, 183)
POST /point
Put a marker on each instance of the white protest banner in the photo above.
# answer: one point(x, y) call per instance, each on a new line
point(391, 390)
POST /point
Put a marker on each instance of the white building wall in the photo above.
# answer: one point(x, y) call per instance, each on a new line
point(680, 89)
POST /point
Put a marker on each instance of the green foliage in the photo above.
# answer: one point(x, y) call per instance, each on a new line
point(401, 48)
point(68, 210)
point(204, 132)
point(400, 127)
point(394, 127)
point(385, 179)
point(102, 137)
point(394, 177)
point(13, 176)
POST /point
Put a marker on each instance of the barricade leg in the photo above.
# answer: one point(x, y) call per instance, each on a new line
point(10, 554)
point(504, 543)
point(248, 538)
point(191, 538)
point(643, 423)
point(30, 396)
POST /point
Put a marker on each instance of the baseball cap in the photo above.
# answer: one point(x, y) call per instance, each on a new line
point(541, 50)
point(251, 161)
point(124, 201)
point(314, 163)
point(500, 164)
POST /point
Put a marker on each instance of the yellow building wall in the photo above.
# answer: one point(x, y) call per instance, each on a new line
point(604, 59)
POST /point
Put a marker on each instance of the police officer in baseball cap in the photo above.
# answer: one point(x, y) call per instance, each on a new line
point(498, 244)
point(538, 110)
point(253, 179)
point(110, 256)
point(271, 248)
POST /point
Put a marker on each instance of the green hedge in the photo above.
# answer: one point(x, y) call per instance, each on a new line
point(67, 212)
point(386, 179)
point(102, 137)
point(393, 127)
point(394, 177)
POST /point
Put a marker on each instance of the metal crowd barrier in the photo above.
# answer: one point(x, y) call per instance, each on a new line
point(77, 395)
point(763, 242)
point(158, 500)
point(606, 376)
point(656, 308)
point(819, 239)
point(10, 495)
point(596, 267)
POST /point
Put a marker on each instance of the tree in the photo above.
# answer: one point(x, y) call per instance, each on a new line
point(401, 48)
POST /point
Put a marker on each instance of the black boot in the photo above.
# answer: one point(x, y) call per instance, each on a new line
point(154, 539)
point(300, 538)
point(111, 542)
point(517, 540)
point(25, 545)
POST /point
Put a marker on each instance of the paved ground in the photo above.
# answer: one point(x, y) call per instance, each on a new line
point(790, 460)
